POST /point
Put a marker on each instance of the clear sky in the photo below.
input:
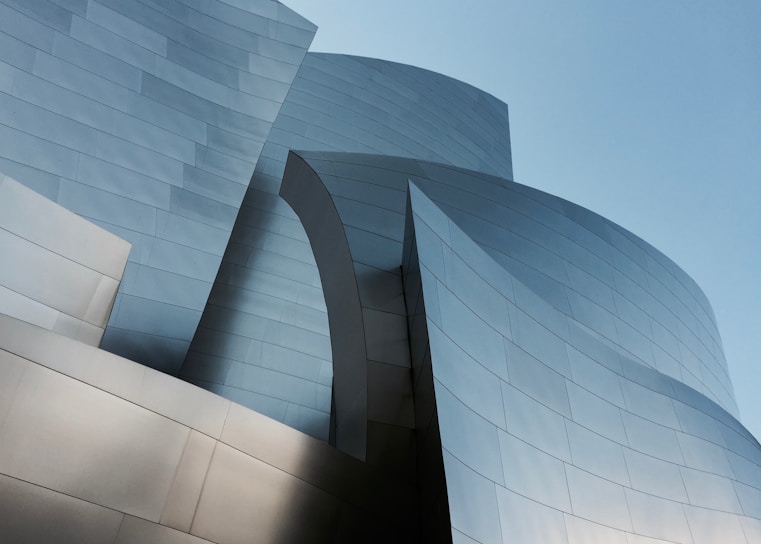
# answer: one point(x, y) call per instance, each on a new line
point(645, 111)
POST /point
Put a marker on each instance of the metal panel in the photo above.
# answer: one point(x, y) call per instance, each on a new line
point(596, 454)
point(469, 437)
point(581, 531)
point(534, 474)
point(523, 520)
point(654, 476)
point(466, 378)
point(596, 499)
point(33, 514)
point(535, 424)
point(127, 471)
point(472, 501)
point(256, 487)
point(139, 130)
point(657, 517)
point(139, 531)
point(57, 265)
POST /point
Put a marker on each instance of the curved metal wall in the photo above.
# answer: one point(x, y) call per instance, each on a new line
point(549, 435)
point(263, 340)
point(620, 291)
point(551, 427)
point(59, 271)
point(630, 296)
point(147, 117)
point(97, 449)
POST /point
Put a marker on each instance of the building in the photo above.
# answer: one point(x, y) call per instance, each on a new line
point(393, 340)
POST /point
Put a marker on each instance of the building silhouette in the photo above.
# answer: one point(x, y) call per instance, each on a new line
point(340, 319)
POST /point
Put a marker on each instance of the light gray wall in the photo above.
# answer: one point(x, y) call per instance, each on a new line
point(59, 271)
point(98, 449)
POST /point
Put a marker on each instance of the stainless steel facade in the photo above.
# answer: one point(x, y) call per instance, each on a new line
point(37, 237)
point(547, 407)
point(336, 243)
point(147, 118)
point(264, 339)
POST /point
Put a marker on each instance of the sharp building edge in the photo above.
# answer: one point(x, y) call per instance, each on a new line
point(305, 301)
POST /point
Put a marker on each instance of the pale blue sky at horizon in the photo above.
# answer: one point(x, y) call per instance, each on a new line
point(645, 111)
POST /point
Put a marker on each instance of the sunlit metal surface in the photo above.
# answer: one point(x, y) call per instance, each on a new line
point(59, 271)
point(96, 461)
point(264, 338)
point(496, 364)
point(615, 464)
point(147, 118)
point(534, 398)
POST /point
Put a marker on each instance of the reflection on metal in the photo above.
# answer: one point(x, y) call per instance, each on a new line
point(147, 119)
point(532, 355)
point(98, 446)
point(59, 271)
point(264, 338)
point(502, 365)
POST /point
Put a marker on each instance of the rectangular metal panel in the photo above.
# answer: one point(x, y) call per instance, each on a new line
point(597, 454)
point(534, 423)
point(658, 518)
point(182, 500)
point(261, 503)
point(596, 414)
point(596, 499)
point(476, 337)
point(581, 531)
point(533, 473)
point(654, 476)
point(537, 379)
point(48, 440)
point(524, 520)
point(472, 501)
point(710, 491)
point(468, 436)
point(139, 531)
point(33, 514)
point(466, 378)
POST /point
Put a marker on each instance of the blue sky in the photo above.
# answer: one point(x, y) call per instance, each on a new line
point(645, 111)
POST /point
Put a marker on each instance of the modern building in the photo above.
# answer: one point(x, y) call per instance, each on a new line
point(255, 294)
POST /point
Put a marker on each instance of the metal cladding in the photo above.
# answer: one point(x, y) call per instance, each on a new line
point(147, 118)
point(336, 243)
point(59, 271)
point(548, 409)
point(264, 339)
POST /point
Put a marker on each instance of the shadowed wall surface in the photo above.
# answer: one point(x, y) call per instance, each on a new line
point(264, 340)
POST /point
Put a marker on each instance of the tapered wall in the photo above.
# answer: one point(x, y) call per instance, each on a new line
point(548, 423)
point(499, 364)
point(264, 337)
point(147, 118)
